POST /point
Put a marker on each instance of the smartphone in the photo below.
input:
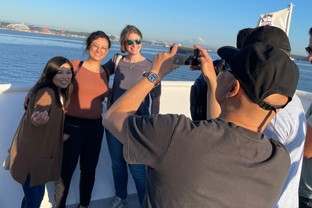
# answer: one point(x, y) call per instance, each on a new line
point(186, 56)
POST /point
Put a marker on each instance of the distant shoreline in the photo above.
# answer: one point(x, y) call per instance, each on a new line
point(21, 27)
point(113, 38)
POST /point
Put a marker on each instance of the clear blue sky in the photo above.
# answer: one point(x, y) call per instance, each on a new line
point(215, 21)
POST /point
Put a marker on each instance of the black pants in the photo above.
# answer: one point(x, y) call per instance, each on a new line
point(82, 138)
point(305, 202)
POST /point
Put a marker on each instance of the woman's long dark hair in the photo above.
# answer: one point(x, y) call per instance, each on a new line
point(45, 80)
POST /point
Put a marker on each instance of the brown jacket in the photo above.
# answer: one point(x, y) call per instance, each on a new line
point(38, 150)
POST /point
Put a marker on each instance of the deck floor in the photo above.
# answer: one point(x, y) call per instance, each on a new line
point(133, 202)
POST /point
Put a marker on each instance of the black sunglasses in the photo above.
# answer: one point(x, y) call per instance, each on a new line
point(308, 50)
point(220, 65)
point(137, 41)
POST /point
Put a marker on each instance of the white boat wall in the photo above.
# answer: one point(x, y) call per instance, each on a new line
point(174, 99)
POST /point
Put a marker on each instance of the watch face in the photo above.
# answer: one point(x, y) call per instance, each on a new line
point(153, 77)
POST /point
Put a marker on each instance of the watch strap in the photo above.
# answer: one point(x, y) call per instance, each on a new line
point(147, 75)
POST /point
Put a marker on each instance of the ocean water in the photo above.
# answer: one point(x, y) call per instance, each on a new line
point(24, 55)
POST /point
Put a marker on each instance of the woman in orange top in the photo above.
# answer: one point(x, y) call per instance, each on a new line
point(83, 131)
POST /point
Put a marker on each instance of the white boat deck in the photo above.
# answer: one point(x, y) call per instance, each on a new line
point(174, 99)
point(133, 202)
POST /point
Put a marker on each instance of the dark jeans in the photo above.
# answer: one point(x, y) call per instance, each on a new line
point(33, 195)
point(305, 202)
point(82, 138)
point(120, 171)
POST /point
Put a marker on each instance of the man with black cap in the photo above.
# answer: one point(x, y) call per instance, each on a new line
point(305, 188)
point(223, 162)
point(289, 126)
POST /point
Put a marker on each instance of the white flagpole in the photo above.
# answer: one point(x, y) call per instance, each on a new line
point(289, 18)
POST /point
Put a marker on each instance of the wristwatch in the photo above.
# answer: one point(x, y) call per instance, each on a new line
point(152, 77)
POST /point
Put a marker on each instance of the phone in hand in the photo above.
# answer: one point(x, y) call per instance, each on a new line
point(186, 56)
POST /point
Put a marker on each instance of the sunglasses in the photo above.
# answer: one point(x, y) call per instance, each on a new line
point(308, 50)
point(137, 41)
point(219, 65)
point(222, 66)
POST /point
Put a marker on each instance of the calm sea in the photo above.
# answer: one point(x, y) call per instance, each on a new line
point(24, 55)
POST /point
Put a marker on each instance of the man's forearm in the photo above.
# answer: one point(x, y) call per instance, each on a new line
point(130, 101)
point(213, 107)
point(126, 105)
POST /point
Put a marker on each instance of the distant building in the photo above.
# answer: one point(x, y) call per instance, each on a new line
point(46, 31)
point(114, 37)
point(20, 27)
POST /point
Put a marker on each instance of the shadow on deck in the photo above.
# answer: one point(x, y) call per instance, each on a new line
point(133, 202)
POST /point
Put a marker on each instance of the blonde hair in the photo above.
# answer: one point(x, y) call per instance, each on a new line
point(125, 34)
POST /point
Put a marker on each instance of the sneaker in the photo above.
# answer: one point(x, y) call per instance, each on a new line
point(119, 203)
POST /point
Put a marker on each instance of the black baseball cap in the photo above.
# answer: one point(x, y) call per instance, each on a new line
point(262, 70)
point(274, 36)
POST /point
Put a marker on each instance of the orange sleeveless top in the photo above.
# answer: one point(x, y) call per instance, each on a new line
point(88, 93)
